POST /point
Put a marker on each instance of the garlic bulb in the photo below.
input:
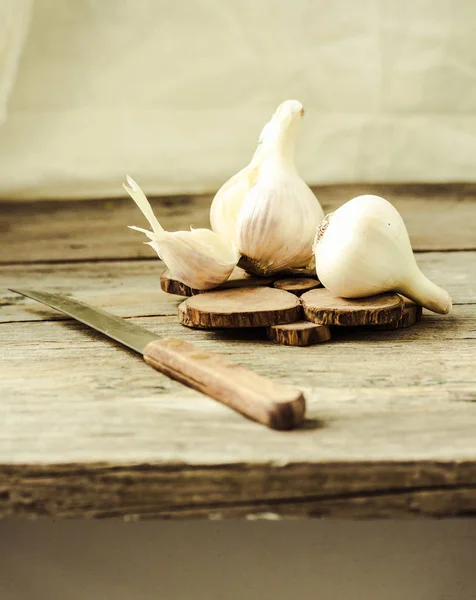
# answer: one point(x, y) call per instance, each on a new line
point(280, 213)
point(363, 249)
point(198, 258)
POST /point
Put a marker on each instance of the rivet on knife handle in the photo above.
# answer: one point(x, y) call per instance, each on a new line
point(268, 402)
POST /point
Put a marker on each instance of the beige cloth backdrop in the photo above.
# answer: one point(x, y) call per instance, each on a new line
point(176, 92)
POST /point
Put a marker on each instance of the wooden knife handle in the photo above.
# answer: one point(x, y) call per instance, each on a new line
point(268, 402)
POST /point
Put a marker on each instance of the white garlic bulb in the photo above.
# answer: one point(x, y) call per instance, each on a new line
point(198, 258)
point(280, 213)
point(363, 249)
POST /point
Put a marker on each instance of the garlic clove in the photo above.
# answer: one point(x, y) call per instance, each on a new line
point(198, 258)
point(280, 213)
point(363, 249)
point(226, 204)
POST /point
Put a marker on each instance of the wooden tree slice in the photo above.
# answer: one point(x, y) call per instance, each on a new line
point(238, 278)
point(412, 313)
point(241, 307)
point(301, 333)
point(297, 285)
point(321, 307)
point(173, 286)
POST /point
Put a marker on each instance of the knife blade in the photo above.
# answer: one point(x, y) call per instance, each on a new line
point(269, 402)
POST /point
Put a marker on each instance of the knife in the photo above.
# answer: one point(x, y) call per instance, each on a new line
point(268, 402)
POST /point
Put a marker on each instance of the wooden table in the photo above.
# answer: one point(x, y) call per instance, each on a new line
point(89, 430)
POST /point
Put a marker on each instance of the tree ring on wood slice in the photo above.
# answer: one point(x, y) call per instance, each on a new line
point(297, 285)
point(301, 333)
point(321, 307)
point(241, 307)
point(412, 313)
point(238, 278)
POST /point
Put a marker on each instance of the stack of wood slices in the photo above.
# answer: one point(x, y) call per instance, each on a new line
point(293, 307)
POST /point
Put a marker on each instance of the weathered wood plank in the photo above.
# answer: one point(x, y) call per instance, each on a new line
point(400, 395)
point(391, 414)
point(132, 288)
point(382, 408)
point(129, 288)
point(96, 229)
point(138, 491)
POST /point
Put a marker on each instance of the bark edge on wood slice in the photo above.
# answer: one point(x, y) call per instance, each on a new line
point(321, 307)
point(412, 313)
point(301, 333)
point(297, 285)
point(241, 307)
point(238, 278)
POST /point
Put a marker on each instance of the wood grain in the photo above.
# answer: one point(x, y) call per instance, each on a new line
point(97, 229)
point(321, 307)
point(126, 288)
point(412, 396)
point(302, 333)
point(238, 278)
point(297, 285)
point(143, 491)
point(132, 288)
point(100, 408)
point(259, 398)
point(241, 307)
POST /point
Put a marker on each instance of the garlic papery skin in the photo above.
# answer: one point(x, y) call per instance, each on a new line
point(198, 258)
point(280, 213)
point(363, 249)
point(226, 204)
